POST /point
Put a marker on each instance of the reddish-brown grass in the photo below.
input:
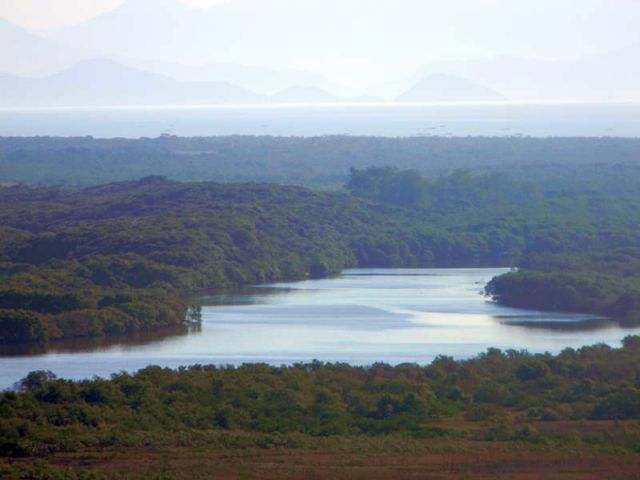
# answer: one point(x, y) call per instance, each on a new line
point(374, 458)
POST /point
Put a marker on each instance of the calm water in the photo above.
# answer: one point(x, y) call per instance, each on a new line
point(614, 119)
point(361, 317)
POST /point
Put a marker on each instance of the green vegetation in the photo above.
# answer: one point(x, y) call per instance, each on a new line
point(129, 257)
point(603, 283)
point(504, 391)
point(577, 252)
point(456, 193)
point(121, 258)
point(609, 164)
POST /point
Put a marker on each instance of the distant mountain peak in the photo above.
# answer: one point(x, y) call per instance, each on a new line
point(441, 87)
point(100, 82)
point(28, 54)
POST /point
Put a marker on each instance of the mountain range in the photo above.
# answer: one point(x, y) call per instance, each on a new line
point(104, 83)
point(227, 54)
point(94, 83)
point(24, 53)
point(612, 76)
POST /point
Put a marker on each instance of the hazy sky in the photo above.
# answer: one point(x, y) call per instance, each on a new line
point(591, 25)
point(353, 41)
point(48, 14)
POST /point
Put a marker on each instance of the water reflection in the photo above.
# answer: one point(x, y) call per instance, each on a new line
point(84, 345)
point(252, 295)
point(560, 324)
point(361, 317)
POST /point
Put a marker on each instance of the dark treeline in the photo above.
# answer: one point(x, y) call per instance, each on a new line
point(503, 392)
point(580, 250)
point(129, 256)
point(603, 283)
point(553, 163)
point(455, 193)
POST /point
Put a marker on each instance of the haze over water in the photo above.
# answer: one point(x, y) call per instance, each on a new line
point(360, 317)
point(508, 119)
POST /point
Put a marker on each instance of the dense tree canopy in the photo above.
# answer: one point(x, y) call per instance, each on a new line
point(604, 164)
point(130, 256)
point(113, 258)
point(603, 283)
point(160, 407)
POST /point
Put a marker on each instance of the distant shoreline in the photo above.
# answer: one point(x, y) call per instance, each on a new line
point(267, 106)
point(389, 120)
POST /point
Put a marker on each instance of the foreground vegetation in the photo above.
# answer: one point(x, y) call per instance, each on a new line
point(550, 403)
point(584, 455)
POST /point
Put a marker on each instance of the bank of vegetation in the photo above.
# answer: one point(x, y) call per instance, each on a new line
point(497, 397)
point(129, 257)
point(579, 251)
point(609, 164)
point(607, 284)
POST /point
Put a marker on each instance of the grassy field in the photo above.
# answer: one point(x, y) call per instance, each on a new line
point(570, 450)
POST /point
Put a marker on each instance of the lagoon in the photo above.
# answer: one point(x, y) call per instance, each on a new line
point(360, 317)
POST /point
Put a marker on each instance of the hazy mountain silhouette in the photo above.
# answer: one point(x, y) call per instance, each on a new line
point(106, 83)
point(32, 55)
point(101, 83)
point(447, 88)
point(219, 44)
point(161, 30)
point(262, 80)
point(610, 76)
point(24, 53)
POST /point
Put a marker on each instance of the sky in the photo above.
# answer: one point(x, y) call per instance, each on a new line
point(591, 25)
point(353, 41)
point(42, 15)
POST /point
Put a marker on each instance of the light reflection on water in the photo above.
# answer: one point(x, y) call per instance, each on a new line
point(360, 317)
